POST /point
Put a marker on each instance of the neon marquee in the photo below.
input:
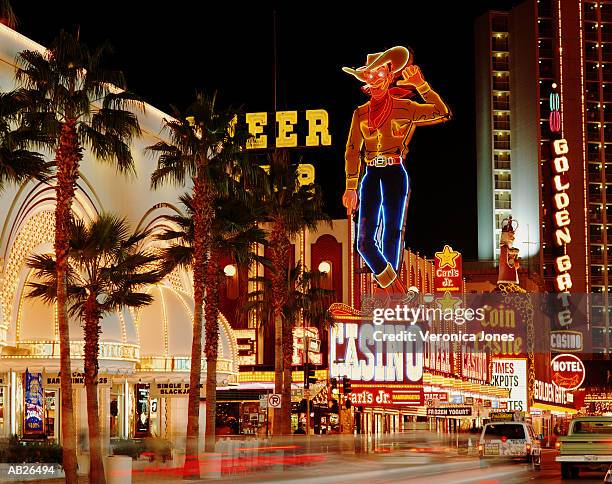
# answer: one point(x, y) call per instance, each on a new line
point(561, 201)
point(561, 198)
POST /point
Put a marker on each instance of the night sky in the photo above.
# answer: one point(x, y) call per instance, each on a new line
point(170, 50)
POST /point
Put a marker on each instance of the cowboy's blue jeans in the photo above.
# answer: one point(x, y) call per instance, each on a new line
point(383, 195)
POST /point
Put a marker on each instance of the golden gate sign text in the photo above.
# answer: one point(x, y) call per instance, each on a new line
point(561, 201)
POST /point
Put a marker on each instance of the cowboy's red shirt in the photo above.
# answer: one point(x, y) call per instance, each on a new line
point(393, 136)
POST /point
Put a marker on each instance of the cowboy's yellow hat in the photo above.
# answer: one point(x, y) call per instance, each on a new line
point(398, 56)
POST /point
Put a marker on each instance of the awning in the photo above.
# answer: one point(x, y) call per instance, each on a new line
point(554, 408)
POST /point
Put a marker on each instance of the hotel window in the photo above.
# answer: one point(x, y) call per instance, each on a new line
point(593, 131)
point(596, 254)
point(500, 62)
point(592, 94)
point(592, 71)
point(502, 161)
point(501, 141)
point(592, 51)
point(599, 339)
point(595, 214)
point(592, 111)
point(607, 89)
point(503, 201)
point(502, 181)
point(545, 48)
point(545, 28)
point(595, 234)
point(605, 10)
point(501, 121)
point(546, 68)
point(499, 42)
point(593, 151)
point(499, 24)
point(501, 82)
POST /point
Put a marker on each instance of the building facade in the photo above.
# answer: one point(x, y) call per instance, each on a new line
point(559, 72)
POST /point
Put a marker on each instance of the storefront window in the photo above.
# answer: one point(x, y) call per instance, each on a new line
point(3, 411)
point(116, 411)
point(143, 409)
point(51, 414)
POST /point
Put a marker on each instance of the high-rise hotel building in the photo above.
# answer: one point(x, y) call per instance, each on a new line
point(537, 49)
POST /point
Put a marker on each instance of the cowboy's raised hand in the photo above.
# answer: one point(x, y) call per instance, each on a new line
point(412, 76)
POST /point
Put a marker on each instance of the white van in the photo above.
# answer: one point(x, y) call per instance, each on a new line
point(510, 440)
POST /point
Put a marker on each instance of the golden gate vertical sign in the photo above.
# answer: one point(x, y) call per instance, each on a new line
point(561, 201)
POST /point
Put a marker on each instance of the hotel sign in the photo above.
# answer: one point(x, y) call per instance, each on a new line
point(561, 202)
point(568, 371)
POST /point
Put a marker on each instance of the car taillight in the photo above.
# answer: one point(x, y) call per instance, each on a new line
point(504, 438)
point(557, 445)
point(528, 447)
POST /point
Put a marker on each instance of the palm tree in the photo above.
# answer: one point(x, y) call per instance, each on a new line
point(305, 298)
point(107, 271)
point(7, 15)
point(203, 149)
point(310, 301)
point(77, 103)
point(290, 207)
point(234, 232)
point(17, 162)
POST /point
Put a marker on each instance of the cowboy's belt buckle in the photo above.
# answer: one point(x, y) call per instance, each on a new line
point(380, 161)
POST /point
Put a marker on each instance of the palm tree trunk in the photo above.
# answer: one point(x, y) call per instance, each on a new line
point(202, 217)
point(287, 377)
point(278, 372)
point(92, 348)
point(68, 156)
point(280, 244)
point(211, 346)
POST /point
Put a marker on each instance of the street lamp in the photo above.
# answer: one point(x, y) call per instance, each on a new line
point(325, 267)
point(230, 270)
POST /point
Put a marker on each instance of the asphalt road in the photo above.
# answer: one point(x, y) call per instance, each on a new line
point(421, 458)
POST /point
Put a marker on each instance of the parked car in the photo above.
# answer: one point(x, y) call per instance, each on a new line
point(510, 440)
point(588, 445)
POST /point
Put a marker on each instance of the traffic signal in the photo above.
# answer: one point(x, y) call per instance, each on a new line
point(346, 386)
point(309, 376)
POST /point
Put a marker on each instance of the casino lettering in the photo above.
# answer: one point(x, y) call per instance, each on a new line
point(356, 353)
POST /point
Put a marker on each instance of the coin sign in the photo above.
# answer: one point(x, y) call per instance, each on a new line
point(274, 400)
